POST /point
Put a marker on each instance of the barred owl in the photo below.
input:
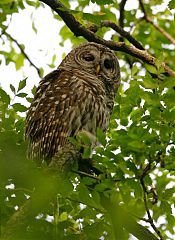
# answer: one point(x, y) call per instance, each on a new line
point(78, 96)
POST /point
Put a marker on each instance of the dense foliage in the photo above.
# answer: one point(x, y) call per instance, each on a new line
point(136, 189)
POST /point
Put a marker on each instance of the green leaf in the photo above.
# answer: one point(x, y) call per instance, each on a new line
point(12, 88)
point(85, 137)
point(103, 2)
point(151, 98)
point(92, 18)
point(136, 114)
point(151, 68)
point(125, 110)
point(169, 115)
point(166, 207)
point(29, 99)
point(149, 82)
point(33, 27)
point(19, 61)
point(168, 82)
point(34, 90)
point(31, 3)
point(84, 195)
point(22, 95)
point(136, 146)
point(87, 152)
point(101, 136)
point(124, 122)
point(54, 58)
point(63, 217)
point(19, 107)
point(22, 84)
point(135, 185)
point(4, 97)
point(65, 33)
point(148, 180)
point(41, 70)
point(171, 4)
point(6, 1)
point(168, 193)
point(134, 70)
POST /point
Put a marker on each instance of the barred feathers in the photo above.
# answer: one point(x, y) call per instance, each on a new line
point(73, 98)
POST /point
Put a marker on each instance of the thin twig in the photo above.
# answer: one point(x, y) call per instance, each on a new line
point(148, 212)
point(21, 189)
point(123, 33)
point(160, 29)
point(141, 219)
point(4, 28)
point(100, 209)
point(107, 23)
point(145, 171)
point(122, 14)
point(86, 175)
point(23, 52)
point(142, 8)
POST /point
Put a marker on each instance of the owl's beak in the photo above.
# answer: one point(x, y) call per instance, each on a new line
point(98, 68)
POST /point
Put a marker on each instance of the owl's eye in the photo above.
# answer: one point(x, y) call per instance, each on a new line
point(89, 58)
point(108, 63)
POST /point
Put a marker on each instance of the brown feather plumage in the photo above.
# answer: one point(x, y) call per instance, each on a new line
point(73, 98)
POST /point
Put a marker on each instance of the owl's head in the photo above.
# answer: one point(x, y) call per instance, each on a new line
point(95, 59)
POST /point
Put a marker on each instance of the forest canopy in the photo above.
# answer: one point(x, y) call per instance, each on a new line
point(133, 196)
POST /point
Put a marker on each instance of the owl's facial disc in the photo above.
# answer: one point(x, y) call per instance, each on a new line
point(88, 57)
point(109, 65)
point(98, 61)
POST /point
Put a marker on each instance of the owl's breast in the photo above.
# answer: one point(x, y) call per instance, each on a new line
point(95, 105)
point(97, 117)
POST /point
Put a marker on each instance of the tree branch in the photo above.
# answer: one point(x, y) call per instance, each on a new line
point(161, 30)
point(148, 212)
point(122, 16)
point(84, 174)
point(23, 52)
point(118, 29)
point(143, 8)
point(123, 33)
point(80, 30)
point(145, 172)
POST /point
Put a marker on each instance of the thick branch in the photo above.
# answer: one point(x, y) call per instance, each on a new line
point(80, 30)
point(23, 52)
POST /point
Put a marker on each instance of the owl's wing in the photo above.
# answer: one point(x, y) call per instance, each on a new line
point(56, 112)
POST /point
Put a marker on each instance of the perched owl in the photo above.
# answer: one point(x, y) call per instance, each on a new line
point(78, 96)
